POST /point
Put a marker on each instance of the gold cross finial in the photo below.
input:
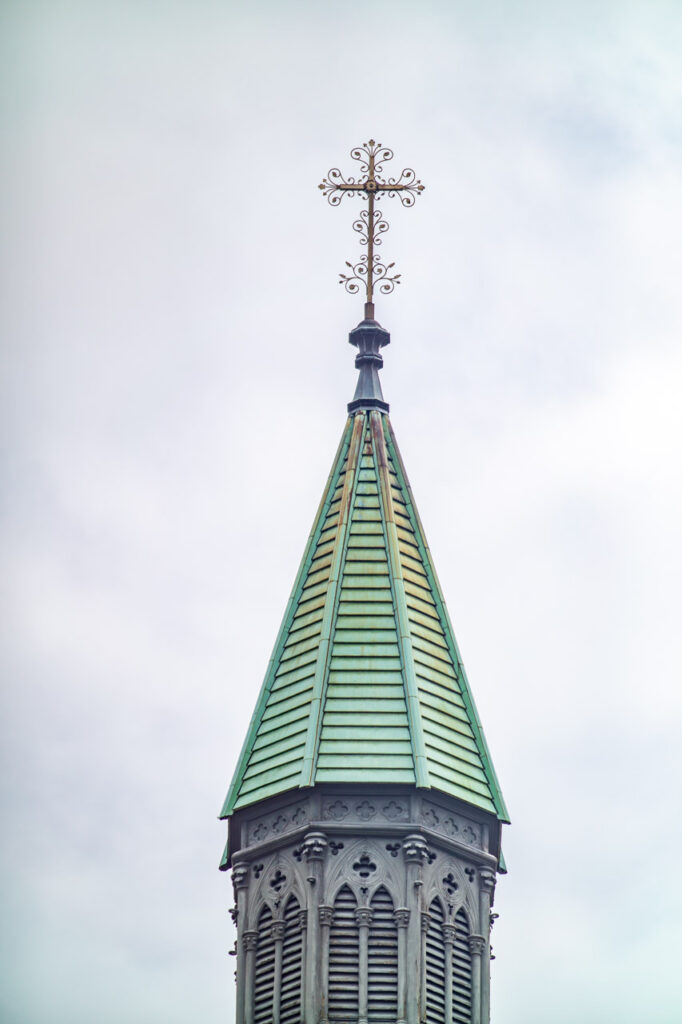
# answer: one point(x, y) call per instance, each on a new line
point(370, 225)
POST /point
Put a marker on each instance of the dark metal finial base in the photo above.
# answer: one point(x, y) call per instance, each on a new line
point(369, 337)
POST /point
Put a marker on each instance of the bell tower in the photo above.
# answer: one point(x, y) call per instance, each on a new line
point(364, 816)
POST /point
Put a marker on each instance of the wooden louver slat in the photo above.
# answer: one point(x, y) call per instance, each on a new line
point(461, 971)
point(292, 950)
point(435, 966)
point(382, 961)
point(343, 959)
point(264, 974)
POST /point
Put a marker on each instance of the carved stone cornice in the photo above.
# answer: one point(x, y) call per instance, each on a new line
point(363, 916)
point(250, 940)
point(401, 916)
point(326, 915)
point(314, 846)
point(476, 945)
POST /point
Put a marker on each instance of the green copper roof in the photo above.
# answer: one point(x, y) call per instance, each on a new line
point(365, 683)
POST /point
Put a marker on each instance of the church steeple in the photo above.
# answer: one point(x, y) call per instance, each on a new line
point(364, 813)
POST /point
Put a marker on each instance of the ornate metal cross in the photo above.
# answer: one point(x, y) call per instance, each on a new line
point(370, 225)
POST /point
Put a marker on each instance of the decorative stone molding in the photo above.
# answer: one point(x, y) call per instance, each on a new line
point(401, 916)
point(395, 810)
point(303, 919)
point(365, 809)
point(275, 824)
point(250, 940)
point(336, 810)
point(452, 825)
point(326, 915)
point(278, 881)
point(449, 932)
point(363, 916)
point(487, 880)
point(476, 944)
point(415, 848)
point(314, 846)
point(425, 921)
point(240, 876)
point(277, 930)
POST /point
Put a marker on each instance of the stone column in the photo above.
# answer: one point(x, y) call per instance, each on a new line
point(402, 917)
point(414, 851)
point(425, 922)
point(363, 916)
point(486, 880)
point(477, 946)
point(313, 848)
point(250, 940)
point(449, 942)
point(240, 882)
point(278, 937)
point(326, 918)
point(303, 921)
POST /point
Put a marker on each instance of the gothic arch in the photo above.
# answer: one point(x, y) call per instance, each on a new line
point(382, 960)
point(291, 986)
point(435, 962)
point(448, 881)
point(462, 981)
point(364, 865)
point(343, 997)
point(276, 879)
point(264, 972)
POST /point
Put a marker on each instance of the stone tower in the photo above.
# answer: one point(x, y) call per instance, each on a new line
point(364, 814)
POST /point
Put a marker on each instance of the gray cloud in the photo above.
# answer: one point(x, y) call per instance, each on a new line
point(176, 377)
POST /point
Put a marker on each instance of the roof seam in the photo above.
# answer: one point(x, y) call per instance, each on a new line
point(294, 598)
point(308, 767)
point(419, 755)
point(448, 631)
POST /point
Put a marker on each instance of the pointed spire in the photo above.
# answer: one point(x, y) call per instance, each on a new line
point(369, 337)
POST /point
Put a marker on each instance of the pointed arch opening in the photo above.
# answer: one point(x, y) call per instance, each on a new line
point(264, 973)
point(292, 957)
point(382, 961)
point(435, 965)
point(461, 970)
point(343, 999)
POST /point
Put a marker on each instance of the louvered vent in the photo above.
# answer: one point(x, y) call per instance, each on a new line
point(343, 959)
point(435, 966)
point(265, 969)
point(292, 950)
point(382, 961)
point(461, 971)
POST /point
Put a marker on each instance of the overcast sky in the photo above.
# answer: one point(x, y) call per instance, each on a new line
point(176, 370)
